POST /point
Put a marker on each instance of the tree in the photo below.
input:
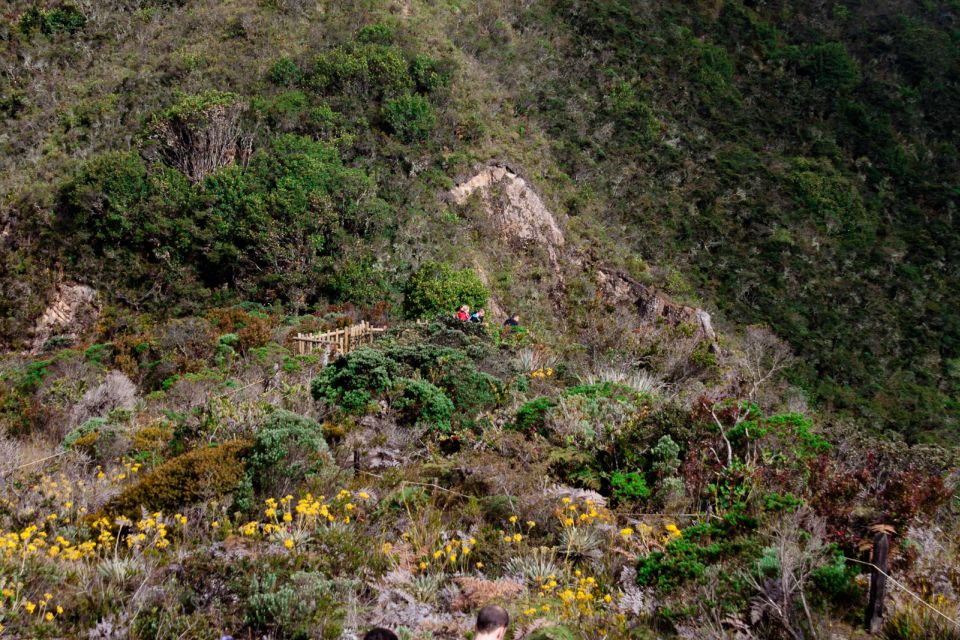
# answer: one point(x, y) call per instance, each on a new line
point(437, 288)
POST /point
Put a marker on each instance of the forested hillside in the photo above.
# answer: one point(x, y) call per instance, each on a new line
point(730, 231)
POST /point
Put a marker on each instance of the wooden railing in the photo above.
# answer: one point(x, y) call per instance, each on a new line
point(338, 342)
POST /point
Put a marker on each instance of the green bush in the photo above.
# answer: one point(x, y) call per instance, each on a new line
point(103, 199)
point(390, 75)
point(420, 402)
point(666, 458)
point(365, 370)
point(631, 113)
point(66, 18)
point(437, 289)
point(553, 633)
point(287, 449)
point(428, 74)
point(340, 71)
point(830, 65)
point(828, 197)
point(531, 417)
point(375, 34)
point(301, 607)
point(630, 486)
point(471, 390)
point(836, 579)
point(78, 436)
point(284, 72)
point(410, 117)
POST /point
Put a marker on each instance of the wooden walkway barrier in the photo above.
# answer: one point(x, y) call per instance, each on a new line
point(338, 342)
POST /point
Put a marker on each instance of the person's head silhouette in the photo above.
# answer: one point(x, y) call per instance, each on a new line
point(492, 622)
point(380, 634)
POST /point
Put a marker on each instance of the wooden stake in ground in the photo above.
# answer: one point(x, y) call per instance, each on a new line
point(878, 583)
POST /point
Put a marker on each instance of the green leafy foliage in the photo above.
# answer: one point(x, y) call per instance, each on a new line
point(436, 288)
point(830, 66)
point(629, 486)
point(365, 369)
point(287, 449)
point(284, 72)
point(687, 555)
point(410, 117)
point(291, 207)
point(420, 402)
point(64, 18)
point(531, 416)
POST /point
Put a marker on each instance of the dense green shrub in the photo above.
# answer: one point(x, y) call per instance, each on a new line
point(471, 390)
point(390, 74)
point(410, 117)
point(830, 66)
point(284, 72)
point(65, 18)
point(375, 34)
point(828, 197)
point(300, 607)
point(420, 402)
point(836, 580)
point(437, 288)
point(553, 633)
point(365, 370)
point(531, 416)
point(629, 486)
point(340, 70)
point(428, 74)
point(687, 555)
point(287, 449)
point(631, 113)
point(104, 197)
point(665, 454)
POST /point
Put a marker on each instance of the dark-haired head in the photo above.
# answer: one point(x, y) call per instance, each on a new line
point(380, 634)
point(492, 618)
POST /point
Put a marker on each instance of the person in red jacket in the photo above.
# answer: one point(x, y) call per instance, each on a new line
point(464, 314)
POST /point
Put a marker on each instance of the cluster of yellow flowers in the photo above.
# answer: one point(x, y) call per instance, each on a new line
point(122, 470)
point(293, 524)
point(444, 552)
point(451, 555)
point(574, 599)
point(542, 372)
point(12, 602)
point(152, 531)
point(518, 531)
point(63, 496)
point(645, 535)
point(35, 542)
point(571, 514)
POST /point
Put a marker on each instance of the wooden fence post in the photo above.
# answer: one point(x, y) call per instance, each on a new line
point(878, 583)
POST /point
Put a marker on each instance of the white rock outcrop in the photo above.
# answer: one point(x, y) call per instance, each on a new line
point(72, 311)
point(514, 208)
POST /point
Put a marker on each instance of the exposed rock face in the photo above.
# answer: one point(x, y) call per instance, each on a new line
point(514, 207)
point(73, 310)
point(651, 305)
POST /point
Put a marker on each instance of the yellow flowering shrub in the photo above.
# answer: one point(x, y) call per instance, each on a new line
point(193, 476)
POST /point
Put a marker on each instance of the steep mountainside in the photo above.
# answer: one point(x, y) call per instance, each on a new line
point(729, 229)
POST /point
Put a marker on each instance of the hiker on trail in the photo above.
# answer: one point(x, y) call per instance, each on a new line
point(512, 321)
point(492, 623)
point(464, 313)
point(380, 634)
point(478, 316)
